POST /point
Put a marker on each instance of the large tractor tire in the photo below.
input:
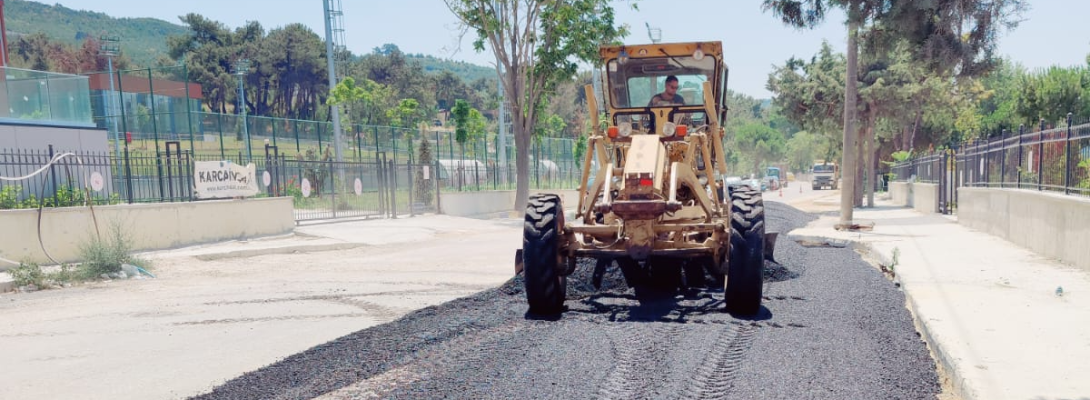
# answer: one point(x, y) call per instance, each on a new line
point(545, 287)
point(745, 272)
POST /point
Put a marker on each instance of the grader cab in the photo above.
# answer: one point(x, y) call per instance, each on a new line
point(657, 206)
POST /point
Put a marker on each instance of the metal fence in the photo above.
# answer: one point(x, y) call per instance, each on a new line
point(1056, 160)
point(320, 187)
point(144, 109)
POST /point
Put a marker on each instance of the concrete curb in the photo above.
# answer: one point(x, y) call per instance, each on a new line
point(877, 258)
point(6, 285)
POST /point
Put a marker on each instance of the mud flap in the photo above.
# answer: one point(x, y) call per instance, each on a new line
point(770, 245)
point(518, 261)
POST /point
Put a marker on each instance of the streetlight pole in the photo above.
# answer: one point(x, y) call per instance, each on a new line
point(109, 46)
point(241, 66)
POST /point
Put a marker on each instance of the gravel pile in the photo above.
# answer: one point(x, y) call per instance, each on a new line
point(832, 328)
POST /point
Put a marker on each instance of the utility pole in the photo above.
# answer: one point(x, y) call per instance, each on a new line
point(331, 67)
point(109, 47)
point(241, 66)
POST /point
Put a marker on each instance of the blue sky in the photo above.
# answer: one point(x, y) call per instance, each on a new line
point(1051, 33)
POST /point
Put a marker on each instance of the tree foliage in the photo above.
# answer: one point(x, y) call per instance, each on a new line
point(763, 143)
point(537, 43)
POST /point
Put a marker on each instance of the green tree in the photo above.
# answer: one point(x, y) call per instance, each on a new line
point(810, 94)
point(537, 43)
point(762, 143)
point(347, 95)
point(1052, 93)
point(951, 35)
point(405, 114)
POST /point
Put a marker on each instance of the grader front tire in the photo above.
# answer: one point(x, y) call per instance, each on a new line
point(545, 287)
point(745, 273)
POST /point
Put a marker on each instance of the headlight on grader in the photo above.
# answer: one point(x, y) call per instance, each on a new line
point(669, 129)
point(626, 130)
point(612, 132)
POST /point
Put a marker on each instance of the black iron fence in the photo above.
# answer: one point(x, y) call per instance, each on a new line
point(1056, 160)
point(320, 187)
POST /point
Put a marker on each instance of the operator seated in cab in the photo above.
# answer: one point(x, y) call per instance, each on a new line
point(669, 96)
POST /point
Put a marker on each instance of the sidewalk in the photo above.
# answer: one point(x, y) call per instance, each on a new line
point(989, 309)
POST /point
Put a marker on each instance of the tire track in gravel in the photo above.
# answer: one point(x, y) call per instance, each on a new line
point(469, 349)
point(716, 374)
point(639, 359)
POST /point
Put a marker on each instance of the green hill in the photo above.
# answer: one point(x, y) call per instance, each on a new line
point(468, 72)
point(143, 40)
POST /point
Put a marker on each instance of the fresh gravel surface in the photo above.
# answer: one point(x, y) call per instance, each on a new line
point(832, 327)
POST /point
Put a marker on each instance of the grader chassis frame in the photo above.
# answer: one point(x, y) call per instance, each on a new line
point(657, 202)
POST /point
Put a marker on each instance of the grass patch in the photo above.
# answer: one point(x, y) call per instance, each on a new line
point(28, 273)
point(104, 254)
point(107, 253)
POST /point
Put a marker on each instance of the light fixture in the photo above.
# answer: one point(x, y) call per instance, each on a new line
point(626, 130)
point(698, 54)
point(669, 128)
point(623, 57)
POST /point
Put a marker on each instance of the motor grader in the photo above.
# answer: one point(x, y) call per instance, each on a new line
point(657, 205)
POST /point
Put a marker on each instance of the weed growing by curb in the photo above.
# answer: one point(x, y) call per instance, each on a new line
point(28, 273)
point(105, 255)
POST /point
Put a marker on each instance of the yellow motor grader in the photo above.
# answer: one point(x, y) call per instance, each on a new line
point(656, 205)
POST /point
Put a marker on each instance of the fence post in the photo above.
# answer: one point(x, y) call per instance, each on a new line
point(333, 186)
point(412, 194)
point(53, 177)
point(393, 187)
point(1067, 157)
point(1040, 152)
point(380, 176)
point(128, 172)
point(1021, 131)
point(1003, 162)
point(438, 206)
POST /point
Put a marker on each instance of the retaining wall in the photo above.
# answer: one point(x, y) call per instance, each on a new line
point(1052, 225)
point(150, 226)
point(469, 204)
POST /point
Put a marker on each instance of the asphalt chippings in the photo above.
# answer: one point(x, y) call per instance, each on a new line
point(832, 327)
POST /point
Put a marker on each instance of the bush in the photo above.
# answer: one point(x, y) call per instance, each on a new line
point(27, 274)
point(105, 255)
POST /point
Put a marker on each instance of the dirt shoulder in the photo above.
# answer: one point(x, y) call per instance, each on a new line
point(216, 312)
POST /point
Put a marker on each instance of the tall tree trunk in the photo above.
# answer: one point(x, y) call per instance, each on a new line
point(860, 164)
point(851, 92)
point(522, 160)
point(910, 141)
point(872, 162)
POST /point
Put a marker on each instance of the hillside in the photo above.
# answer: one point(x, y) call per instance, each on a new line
point(468, 72)
point(143, 40)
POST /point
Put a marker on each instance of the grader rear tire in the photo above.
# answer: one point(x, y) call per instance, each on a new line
point(545, 287)
point(745, 273)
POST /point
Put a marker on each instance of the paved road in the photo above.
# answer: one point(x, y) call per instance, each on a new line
point(833, 327)
point(278, 319)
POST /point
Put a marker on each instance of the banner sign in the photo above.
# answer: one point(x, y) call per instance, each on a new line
point(224, 180)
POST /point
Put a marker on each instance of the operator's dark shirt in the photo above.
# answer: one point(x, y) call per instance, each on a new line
point(661, 98)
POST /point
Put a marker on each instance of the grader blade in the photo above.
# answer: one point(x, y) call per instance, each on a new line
point(770, 245)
